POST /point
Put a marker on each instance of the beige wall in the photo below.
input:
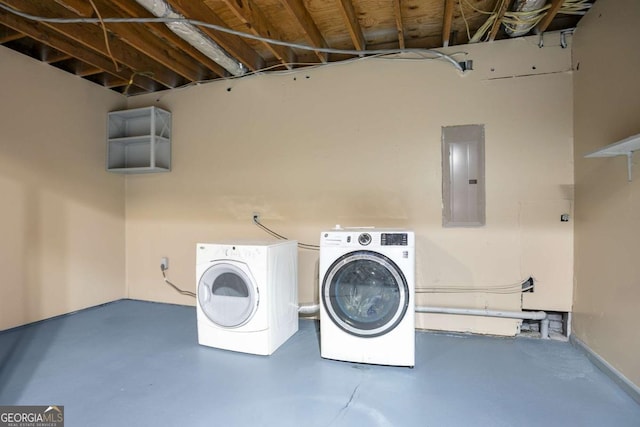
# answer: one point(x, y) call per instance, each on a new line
point(359, 144)
point(62, 216)
point(607, 109)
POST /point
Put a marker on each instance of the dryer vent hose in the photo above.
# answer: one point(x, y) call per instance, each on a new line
point(309, 309)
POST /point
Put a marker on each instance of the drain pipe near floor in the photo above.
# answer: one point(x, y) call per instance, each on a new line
point(529, 315)
point(311, 309)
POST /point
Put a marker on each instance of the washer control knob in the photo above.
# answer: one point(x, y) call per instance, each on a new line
point(364, 239)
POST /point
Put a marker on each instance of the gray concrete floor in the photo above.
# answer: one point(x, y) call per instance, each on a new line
point(134, 363)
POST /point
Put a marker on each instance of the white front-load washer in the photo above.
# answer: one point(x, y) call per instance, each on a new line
point(247, 295)
point(367, 286)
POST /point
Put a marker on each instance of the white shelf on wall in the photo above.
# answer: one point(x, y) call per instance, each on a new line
point(139, 141)
point(626, 147)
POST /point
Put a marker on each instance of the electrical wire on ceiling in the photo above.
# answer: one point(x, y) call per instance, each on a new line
point(308, 66)
point(106, 36)
point(464, 19)
point(514, 288)
point(278, 236)
point(435, 54)
point(520, 22)
point(133, 75)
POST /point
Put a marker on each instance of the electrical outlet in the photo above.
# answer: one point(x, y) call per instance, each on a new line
point(164, 263)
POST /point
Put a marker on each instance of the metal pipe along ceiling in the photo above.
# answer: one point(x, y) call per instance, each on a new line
point(193, 36)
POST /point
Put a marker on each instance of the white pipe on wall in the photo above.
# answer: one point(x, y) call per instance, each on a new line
point(529, 315)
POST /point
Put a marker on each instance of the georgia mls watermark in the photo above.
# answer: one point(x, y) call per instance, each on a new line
point(31, 416)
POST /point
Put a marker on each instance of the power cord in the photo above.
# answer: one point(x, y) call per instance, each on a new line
point(180, 291)
point(307, 246)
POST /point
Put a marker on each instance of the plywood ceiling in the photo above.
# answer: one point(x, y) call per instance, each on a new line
point(79, 37)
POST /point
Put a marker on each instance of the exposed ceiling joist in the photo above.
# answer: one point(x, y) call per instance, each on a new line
point(166, 43)
point(132, 8)
point(8, 35)
point(50, 37)
point(51, 56)
point(446, 22)
point(113, 81)
point(548, 17)
point(352, 23)
point(397, 11)
point(92, 37)
point(79, 7)
point(234, 45)
point(84, 70)
point(259, 25)
point(144, 42)
point(305, 22)
point(506, 4)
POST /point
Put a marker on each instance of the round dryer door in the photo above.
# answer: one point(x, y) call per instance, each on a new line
point(365, 293)
point(227, 295)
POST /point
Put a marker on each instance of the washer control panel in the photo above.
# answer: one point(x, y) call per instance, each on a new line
point(394, 239)
point(369, 238)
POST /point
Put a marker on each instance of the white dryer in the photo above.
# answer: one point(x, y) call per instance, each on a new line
point(247, 295)
point(367, 287)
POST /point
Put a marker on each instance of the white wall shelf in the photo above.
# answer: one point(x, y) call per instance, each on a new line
point(626, 147)
point(139, 141)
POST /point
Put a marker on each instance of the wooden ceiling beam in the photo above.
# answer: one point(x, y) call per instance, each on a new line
point(92, 37)
point(79, 7)
point(48, 36)
point(446, 22)
point(51, 56)
point(258, 25)
point(234, 45)
point(132, 8)
point(149, 45)
point(548, 17)
point(500, 15)
point(8, 35)
point(113, 81)
point(429, 42)
point(397, 11)
point(312, 34)
point(353, 25)
point(83, 69)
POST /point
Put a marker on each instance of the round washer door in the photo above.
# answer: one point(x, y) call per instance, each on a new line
point(227, 295)
point(365, 293)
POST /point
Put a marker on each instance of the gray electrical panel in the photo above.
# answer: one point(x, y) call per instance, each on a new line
point(463, 183)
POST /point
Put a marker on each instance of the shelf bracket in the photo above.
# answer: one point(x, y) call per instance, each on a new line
point(626, 147)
